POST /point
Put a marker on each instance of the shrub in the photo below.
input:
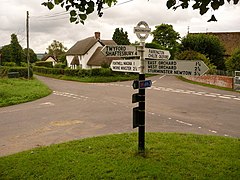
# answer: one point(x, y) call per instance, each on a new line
point(233, 63)
point(106, 72)
point(44, 64)
point(209, 45)
point(9, 64)
point(95, 72)
point(23, 71)
point(60, 65)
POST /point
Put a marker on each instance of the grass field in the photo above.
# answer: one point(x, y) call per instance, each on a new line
point(168, 156)
point(15, 91)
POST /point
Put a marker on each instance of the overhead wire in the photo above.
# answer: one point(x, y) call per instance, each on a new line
point(64, 14)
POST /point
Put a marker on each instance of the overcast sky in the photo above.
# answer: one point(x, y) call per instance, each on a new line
point(46, 26)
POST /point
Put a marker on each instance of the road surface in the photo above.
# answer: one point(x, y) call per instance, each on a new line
point(77, 110)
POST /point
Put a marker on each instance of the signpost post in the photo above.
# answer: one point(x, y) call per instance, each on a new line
point(142, 31)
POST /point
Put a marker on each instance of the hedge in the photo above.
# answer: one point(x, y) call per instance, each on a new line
point(75, 72)
point(23, 71)
point(44, 64)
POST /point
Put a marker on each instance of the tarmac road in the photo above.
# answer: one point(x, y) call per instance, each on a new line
point(77, 110)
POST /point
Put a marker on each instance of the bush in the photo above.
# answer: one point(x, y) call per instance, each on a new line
point(45, 70)
point(233, 63)
point(209, 45)
point(106, 72)
point(60, 65)
point(9, 64)
point(23, 71)
point(44, 64)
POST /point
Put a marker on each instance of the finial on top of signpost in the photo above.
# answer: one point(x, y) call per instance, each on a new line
point(142, 31)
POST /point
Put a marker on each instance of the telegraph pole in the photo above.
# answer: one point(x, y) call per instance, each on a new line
point(27, 27)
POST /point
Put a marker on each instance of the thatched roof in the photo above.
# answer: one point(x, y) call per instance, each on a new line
point(98, 59)
point(82, 47)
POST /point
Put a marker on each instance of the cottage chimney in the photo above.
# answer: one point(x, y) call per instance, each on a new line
point(97, 35)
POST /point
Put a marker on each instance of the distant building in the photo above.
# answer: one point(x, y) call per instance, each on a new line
point(230, 40)
point(49, 58)
point(87, 54)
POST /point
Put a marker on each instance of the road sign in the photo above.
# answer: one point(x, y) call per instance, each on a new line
point(150, 53)
point(176, 67)
point(142, 30)
point(145, 84)
point(142, 84)
point(119, 51)
point(132, 65)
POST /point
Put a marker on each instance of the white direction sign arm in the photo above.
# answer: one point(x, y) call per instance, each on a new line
point(176, 67)
point(119, 51)
point(126, 65)
point(150, 53)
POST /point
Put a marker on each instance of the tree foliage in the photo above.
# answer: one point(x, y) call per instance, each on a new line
point(56, 49)
point(193, 55)
point(5, 54)
point(120, 37)
point(16, 50)
point(32, 55)
point(166, 37)
point(80, 9)
point(202, 5)
point(233, 63)
point(208, 45)
point(14, 53)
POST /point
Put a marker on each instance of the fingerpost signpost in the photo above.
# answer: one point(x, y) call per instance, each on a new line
point(150, 61)
point(142, 31)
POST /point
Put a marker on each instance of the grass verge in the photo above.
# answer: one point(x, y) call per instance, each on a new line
point(168, 156)
point(15, 91)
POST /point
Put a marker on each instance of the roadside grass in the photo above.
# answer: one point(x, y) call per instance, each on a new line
point(206, 85)
point(19, 90)
point(168, 156)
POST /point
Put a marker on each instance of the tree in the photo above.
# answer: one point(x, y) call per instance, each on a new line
point(80, 9)
point(16, 50)
point(233, 63)
point(56, 49)
point(5, 54)
point(154, 45)
point(32, 55)
point(120, 37)
point(167, 37)
point(208, 45)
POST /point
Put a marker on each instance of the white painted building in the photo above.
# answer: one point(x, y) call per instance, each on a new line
point(86, 53)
